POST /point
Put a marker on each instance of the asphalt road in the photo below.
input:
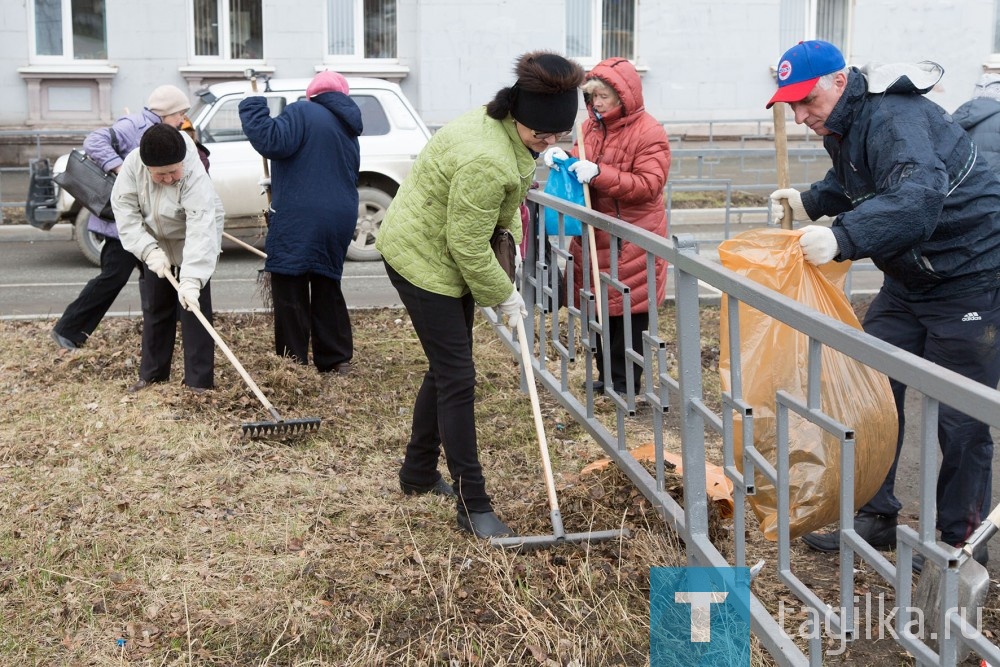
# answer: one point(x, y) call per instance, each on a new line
point(41, 272)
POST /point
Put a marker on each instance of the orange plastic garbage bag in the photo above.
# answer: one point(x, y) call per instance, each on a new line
point(774, 356)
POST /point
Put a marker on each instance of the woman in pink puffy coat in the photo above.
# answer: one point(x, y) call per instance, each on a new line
point(628, 159)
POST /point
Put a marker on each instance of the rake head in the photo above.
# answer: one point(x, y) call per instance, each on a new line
point(530, 543)
point(283, 427)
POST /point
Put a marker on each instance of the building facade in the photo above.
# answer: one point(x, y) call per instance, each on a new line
point(82, 63)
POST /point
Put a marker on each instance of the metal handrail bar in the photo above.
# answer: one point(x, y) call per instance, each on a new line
point(691, 521)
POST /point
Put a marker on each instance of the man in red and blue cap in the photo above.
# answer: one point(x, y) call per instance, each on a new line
point(908, 190)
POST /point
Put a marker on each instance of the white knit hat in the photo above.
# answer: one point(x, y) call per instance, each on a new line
point(167, 100)
point(988, 86)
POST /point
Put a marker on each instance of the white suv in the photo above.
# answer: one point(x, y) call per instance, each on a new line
point(393, 136)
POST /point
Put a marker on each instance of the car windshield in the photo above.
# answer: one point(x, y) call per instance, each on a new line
point(203, 100)
point(373, 116)
point(225, 124)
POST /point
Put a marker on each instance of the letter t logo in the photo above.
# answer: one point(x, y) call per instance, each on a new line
point(701, 611)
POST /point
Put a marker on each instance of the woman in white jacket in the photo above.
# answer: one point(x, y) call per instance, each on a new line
point(170, 217)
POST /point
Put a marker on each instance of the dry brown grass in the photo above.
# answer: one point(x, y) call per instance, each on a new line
point(148, 518)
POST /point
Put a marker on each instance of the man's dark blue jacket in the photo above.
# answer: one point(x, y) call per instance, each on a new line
point(908, 190)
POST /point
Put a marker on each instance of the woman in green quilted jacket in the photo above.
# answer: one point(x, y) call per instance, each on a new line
point(435, 240)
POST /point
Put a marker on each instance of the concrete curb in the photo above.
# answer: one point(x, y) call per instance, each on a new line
point(26, 233)
point(701, 223)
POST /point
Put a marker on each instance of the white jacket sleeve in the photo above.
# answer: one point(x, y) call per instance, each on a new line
point(203, 212)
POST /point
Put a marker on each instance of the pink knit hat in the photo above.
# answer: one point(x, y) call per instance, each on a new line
point(327, 82)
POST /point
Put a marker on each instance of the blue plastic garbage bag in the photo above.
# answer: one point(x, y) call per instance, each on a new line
point(563, 184)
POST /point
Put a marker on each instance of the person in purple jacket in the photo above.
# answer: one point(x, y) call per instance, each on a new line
point(108, 147)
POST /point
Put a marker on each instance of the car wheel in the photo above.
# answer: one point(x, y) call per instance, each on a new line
point(88, 241)
point(372, 205)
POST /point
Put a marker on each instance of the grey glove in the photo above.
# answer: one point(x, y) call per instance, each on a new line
point(513, 308)
point(188, 293)
point(157, 262)
point(794, 198)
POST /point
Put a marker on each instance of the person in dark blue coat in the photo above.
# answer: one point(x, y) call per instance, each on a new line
point(315, 159)
point(909, 189)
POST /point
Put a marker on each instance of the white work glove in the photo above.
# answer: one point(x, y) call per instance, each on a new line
point(819, 245)
point(551, 154)
point(265, 184)
point(794, 198)
point(188, 293)
point(157, 262)
point(584, 170)
point(513, 309)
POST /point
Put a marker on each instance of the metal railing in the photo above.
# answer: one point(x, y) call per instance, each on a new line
point(560, 339)
point(700, 130)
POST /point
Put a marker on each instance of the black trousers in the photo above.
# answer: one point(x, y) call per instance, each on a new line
point(313, 306)
point(619, 378)
point(958, 334)
point(160, 312)
point(444, 412)
point(82, 316)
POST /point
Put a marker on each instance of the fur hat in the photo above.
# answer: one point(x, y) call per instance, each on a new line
point(162, 145)
point(988, 86)
point(328, 82)
point(545, 97)
point(167, 100)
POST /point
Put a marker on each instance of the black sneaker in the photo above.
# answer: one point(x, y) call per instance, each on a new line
point(878, 530)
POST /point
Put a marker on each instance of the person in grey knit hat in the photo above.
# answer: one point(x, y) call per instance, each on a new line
point(108, 147)
point(167, 101)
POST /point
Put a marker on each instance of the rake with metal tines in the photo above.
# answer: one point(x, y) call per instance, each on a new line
point(252, 429)
point(559, 535)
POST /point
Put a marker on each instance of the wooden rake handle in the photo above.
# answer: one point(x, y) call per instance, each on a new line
point(543, 446)
point(229, 354)
point(267, 169)
point(781, 154)
point(595, 271)
point(245, 245)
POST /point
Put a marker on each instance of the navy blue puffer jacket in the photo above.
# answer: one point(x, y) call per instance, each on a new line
point(315, 159)
point(981, 119)
point(908, 190)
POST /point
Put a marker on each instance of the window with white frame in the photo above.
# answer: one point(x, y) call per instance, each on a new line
point(598, 29)
point(996, 26)
point(69, 30)
point(829, 20)
point(361, 29)
point(228, 29)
